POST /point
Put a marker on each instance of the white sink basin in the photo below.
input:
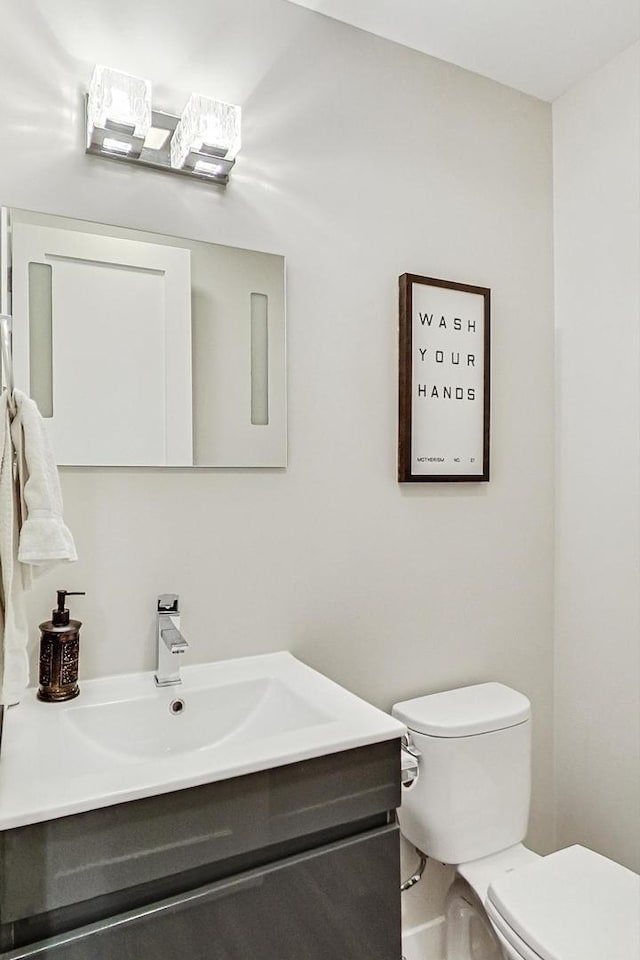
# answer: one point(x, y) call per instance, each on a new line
point(123, 738)
point(182, 719)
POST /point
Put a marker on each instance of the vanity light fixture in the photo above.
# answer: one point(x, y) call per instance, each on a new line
point(207, 138)
point(122, 125)
point(118, 112)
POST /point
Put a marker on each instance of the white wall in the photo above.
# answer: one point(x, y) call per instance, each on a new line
point(597, 241)
point(361, 160)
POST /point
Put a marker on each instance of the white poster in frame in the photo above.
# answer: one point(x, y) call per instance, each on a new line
point(444, 385)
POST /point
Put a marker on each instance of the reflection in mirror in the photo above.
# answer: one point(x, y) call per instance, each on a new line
point(142, 349)
point(259, 359)
point(41, 337)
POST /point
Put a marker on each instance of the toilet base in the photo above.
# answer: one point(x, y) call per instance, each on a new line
point(469, 933)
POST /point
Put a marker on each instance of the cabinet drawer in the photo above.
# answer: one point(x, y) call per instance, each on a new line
point(98, 853)
point(342, 900)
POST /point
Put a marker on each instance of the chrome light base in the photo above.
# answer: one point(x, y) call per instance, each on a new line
point(117, 142)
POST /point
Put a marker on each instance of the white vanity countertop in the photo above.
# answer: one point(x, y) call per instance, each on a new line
point(120, 741)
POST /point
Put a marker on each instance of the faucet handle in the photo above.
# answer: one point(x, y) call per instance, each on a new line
point(168, 603)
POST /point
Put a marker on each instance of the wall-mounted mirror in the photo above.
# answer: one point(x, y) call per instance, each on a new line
point(148, 350)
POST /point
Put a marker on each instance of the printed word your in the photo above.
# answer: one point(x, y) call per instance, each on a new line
point(455, 357)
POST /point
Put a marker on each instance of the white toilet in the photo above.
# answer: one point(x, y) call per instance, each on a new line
point(469, 806)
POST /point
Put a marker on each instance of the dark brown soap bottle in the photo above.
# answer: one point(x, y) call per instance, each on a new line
point(59, 653)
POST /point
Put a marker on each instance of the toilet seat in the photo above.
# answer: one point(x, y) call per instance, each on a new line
point(522, 952)
point(570, 905)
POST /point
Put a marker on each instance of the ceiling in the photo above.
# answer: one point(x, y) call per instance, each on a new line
point(541, 47)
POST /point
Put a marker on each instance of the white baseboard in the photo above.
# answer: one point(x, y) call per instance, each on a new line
point(425, 942)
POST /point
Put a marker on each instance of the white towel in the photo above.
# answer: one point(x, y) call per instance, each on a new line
point(44, 538)
point(33, 536)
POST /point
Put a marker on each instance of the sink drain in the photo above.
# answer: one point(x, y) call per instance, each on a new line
point(176, 706)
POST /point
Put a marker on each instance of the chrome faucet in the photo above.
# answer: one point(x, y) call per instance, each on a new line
point(170, 640)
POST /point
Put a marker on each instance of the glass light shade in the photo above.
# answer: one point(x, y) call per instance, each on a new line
point(118, 98)
point(208, 126)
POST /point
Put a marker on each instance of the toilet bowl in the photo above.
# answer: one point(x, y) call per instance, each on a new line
point(471, 934)
point(468, 806)
point(571, 905)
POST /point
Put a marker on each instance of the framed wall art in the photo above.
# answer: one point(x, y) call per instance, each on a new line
point(444, 395)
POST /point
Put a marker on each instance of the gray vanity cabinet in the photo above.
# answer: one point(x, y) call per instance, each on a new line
point(296, 863)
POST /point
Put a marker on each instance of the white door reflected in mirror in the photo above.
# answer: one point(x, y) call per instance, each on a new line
point(108, 322)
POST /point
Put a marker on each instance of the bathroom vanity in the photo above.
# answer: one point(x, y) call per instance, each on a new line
point(295, 860)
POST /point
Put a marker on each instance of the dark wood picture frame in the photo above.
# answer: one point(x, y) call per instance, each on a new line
point(448, 468)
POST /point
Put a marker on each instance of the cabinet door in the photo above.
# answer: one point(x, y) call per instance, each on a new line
point(124, 308)
point(340, 902)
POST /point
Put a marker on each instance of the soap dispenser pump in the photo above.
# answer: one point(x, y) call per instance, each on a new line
point(59, 653)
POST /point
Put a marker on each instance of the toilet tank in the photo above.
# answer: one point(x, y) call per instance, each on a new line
point(471, 797)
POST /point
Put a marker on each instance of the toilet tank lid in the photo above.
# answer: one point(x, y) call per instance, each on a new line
point(466, 712)
point(571, 905)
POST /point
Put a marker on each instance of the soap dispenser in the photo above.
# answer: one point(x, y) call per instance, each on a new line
point(59, 653)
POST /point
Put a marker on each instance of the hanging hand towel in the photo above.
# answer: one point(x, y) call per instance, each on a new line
point(44, 538)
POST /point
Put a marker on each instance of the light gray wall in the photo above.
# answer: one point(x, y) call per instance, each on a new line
point(597, 239)
point(361, 160)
